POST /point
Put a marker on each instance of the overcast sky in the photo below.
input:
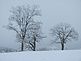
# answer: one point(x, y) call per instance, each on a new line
point(53, 12)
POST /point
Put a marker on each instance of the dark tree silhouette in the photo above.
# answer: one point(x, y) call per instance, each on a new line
point(20, 18)
point(63, 33)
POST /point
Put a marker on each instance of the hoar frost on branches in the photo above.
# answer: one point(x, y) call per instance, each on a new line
point(62, 33)
point(20, 19)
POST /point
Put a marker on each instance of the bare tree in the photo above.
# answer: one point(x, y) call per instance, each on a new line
point(34, 35)
point(5, 50)
point(63, 33)
point(20, 18)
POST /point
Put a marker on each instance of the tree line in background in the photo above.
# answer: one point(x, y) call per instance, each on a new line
point(28, 30)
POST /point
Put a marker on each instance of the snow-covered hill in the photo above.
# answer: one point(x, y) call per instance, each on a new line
point(67, 55)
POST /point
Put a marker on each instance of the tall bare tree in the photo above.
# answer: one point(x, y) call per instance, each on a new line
point(34, 35)
point(63, 33)
point(20, 18)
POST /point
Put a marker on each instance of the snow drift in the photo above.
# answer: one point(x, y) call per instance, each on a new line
point(66, 55)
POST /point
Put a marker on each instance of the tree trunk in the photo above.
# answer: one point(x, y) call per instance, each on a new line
point(62, 44)
point(22, 46)
point(34, 48)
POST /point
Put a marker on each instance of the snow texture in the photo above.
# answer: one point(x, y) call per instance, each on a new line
point(69, 55)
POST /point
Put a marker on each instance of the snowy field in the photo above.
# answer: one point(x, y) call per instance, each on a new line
point(68, 55)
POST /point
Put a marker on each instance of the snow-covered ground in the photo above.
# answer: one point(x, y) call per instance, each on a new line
point(67, 55)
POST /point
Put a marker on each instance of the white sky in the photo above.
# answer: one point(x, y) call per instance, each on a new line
point(53, 12)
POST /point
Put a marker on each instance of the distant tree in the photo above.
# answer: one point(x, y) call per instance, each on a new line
point(34, 35)
point(63, 33)
point(20, 18)
point(5, 50)
point(44, 49)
